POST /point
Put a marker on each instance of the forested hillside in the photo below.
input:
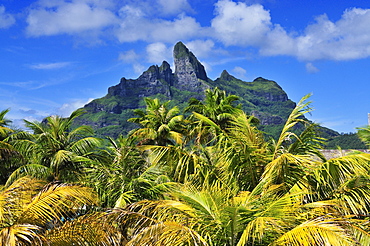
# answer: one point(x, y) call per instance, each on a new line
point(210, 178)
point(262, 98)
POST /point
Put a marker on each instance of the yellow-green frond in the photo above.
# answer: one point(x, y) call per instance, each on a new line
point(55, 200)
point(317, 232)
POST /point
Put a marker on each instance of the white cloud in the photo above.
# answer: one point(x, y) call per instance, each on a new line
point(157, 52)
point(135, 25)
point(240, 72)
point(174, 6)
point(278, 42)
point(202, 48)
point(138, 68)
point(48, 66)
point(67, 108)
point(6, 20)
point(346, 39)
point(240, 24)
point(311, 68)
point(234, 24)
point(71, 17)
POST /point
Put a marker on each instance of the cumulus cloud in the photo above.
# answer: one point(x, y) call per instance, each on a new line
point(136, 26)
point(235, 24)
point(240, 24)
point(346, 39)
point(6, 20)
point(48, 66)
point(70, 17)
point(157, 52)
point(174, 6)
point(132, 58)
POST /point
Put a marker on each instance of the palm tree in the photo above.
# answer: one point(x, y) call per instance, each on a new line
point(4, 123)
point(213, 115)
point(7, 151)
point(54, 148)
point(160, 125)
point(33, 212)
point(294, 198)
point(364, 134)
point(124, 175)
point(328, 205)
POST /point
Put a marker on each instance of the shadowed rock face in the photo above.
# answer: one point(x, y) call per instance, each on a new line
point(156, 80)
point(190, 76)
point(262, 98)
point(189, 72)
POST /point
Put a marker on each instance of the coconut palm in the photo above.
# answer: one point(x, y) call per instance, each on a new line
point(160, 125)
point(327, 206)
point(364, 134)
point(212, 115)
point(4, 123)
point(33, 211)
point(8, 154)
point(55, 149)
point(295, 198)
point(124, 174)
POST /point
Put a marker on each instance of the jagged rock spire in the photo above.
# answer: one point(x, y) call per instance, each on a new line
point(188, 70)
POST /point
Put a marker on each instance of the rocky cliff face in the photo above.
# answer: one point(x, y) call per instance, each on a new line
point(156, 80)
point(189, 72)
point(190, 76)
point(188, 80)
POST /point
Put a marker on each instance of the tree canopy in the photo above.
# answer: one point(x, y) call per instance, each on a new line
point(206, 176)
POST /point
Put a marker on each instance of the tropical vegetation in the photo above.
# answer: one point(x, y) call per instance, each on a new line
point(204, 176)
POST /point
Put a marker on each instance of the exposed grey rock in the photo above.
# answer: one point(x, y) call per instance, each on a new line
point(190, 74)
point(156, 80)
point(189, 79)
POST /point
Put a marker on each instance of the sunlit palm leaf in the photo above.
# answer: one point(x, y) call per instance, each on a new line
point(293, 119)
point(54, 200)
point(320, 231)
point(91, 229)
point(167, 233)
point(23, 234)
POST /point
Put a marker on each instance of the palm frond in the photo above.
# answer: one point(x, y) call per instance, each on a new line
point(15, 197)
point(293, 119)
point(36, 171)
point(319, 231)
point(53, 202)
point(167, 233)
point(91, 229)
point(23, 234)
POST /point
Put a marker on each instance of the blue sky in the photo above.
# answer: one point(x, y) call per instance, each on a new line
point(57, 55)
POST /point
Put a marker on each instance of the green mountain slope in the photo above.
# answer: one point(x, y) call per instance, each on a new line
point(263, 98)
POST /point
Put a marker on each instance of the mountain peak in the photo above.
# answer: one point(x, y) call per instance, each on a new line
point(188, 70)
point(226, 76)
point(180, 50)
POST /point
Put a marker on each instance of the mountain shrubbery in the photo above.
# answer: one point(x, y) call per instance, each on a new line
point(208, 178)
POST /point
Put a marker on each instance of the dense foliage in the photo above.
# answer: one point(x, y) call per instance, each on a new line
point(345, 141)
point(207, 177)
